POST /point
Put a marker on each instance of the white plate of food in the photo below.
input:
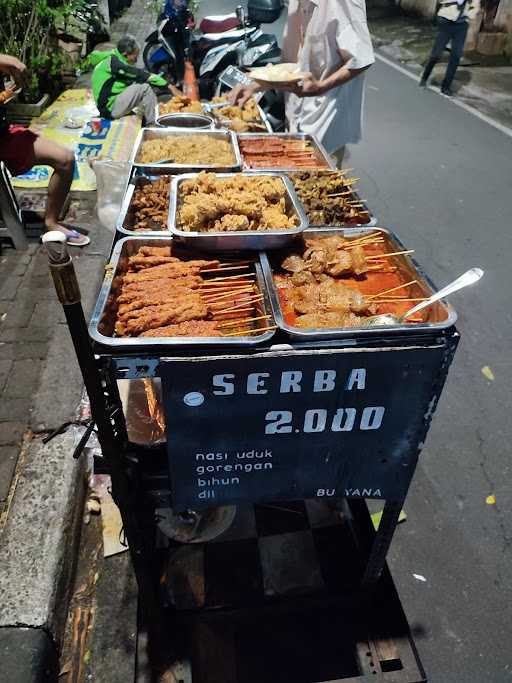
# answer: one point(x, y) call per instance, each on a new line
point(277, 74)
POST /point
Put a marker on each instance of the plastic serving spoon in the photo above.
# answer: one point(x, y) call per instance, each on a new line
point(468, 278)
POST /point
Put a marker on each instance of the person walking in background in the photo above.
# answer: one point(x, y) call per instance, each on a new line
point(453, 19)
point(330, 41)
point(119, 87)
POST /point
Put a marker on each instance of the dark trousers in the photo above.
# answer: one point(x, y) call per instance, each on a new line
point(449, 32)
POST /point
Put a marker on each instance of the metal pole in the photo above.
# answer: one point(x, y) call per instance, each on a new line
point(113, 445)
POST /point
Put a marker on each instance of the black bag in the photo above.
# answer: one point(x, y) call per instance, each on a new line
point(264, 11)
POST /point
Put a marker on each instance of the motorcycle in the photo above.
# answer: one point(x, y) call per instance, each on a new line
point(230, 40)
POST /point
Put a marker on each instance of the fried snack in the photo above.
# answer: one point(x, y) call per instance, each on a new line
point(150, 208)
point(7, 93)
point(240, 119)
point(327, 199)
point(203, 150)
point(180, 104)
point(238, 203)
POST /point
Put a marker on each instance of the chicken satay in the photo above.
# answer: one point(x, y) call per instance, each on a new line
point(190, 328)
point(155, 251)
point(158, 316)
point(171, 270)
point(140, 262)
point(126, 310)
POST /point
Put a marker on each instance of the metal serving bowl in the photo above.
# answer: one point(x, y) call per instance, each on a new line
point(195, 121)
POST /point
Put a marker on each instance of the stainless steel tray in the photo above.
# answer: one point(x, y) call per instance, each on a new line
point(321, 152)
point(243, 240)
point(370, 223)
point(154, 133)
point(185, 121)
point(125, 220)
point(441, 315)
point(101, 326)
point(264, 120)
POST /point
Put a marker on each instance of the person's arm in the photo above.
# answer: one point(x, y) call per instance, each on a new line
point(133, 74)
point(311, 87)
point(13, 67)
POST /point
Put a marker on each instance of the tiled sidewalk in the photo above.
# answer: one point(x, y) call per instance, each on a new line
point(40, 383)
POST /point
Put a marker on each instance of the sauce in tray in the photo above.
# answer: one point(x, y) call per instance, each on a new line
point(371, 283)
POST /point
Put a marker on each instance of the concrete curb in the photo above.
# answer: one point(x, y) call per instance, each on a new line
point(27, 655)
point(38, 553)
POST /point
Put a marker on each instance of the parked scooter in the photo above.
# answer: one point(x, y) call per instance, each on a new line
point(243, 43)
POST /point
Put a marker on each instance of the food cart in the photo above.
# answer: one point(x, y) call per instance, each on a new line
point(247, 516)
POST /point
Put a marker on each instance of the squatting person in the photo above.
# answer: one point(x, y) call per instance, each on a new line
point(21, 148)
point(119, 87)
point(330, 41)
point(453, 19)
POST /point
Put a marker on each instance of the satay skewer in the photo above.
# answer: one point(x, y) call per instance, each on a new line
point(393, 289)
point(398, 299)
point(233, 293)
point(216, 270)
point(393, 253)
point(228, 277)
point(249, 332)
point(243, 306)
point(244, 321)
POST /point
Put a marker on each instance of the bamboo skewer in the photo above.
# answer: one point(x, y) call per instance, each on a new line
point(393, 289)
point(216, 270)
point(244, 305)
point(233, 311)
point(393, 253)
point(240, 321)
point(234, 292)
point(228, 277)
point(398, 300)
point(249, 332)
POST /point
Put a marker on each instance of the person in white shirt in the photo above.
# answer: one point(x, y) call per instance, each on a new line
point(330, 41)
point(453, 19)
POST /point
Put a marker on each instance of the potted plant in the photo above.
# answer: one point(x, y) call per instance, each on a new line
point(27, 31)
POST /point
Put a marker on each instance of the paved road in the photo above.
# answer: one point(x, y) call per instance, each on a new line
point(441, 178)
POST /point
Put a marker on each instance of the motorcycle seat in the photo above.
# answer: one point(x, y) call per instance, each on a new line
point(219, 23)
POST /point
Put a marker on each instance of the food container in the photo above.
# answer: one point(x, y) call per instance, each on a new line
point(186, 121)
point(126, 218)
point(155, 133)
point(319, 150)
point(243, 240)
point(101, 326)
point(440, 315)
point(220, 122)
point(370, 223)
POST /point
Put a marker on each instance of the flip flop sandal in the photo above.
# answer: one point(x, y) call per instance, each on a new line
point(76, 228)
point(75, 239)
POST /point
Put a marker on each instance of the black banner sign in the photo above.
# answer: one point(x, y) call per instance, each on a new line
point(291, 425)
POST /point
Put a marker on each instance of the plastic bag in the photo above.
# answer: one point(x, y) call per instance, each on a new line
point(111, 181)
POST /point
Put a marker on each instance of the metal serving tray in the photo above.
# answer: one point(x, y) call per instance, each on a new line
point(320, 151)
point(372, 220)
point(243, 240)
point(101, 326)
point(155, 133)
point(442, 315)
point(125, 220)
point(219, 122)
point(185, 121)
